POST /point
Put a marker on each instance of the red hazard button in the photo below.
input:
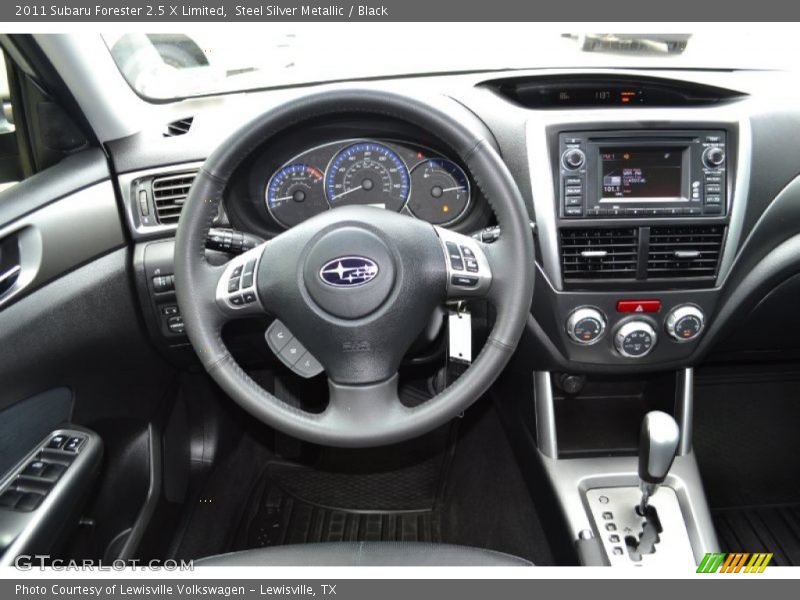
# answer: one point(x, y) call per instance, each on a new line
point(638, 306)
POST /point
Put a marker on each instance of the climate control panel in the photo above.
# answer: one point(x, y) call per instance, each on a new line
point(637, 327)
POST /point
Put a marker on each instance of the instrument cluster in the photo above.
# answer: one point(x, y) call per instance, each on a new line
point(392, 175)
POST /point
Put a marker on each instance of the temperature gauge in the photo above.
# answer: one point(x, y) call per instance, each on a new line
point(440, 191)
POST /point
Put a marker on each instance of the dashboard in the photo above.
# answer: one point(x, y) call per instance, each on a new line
point(655, 218)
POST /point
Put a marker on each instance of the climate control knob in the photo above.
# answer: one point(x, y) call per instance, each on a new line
point(635, 339)
point(586, 325)
point(573, 159)
point(685, 323)
point(713, 157)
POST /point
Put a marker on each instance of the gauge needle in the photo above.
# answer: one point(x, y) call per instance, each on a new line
point(450, 189)
point(347, 192)
point(282, 199)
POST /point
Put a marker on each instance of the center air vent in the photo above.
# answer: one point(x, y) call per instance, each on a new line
point(684, 251)
point(599, 253)
point(169, 194)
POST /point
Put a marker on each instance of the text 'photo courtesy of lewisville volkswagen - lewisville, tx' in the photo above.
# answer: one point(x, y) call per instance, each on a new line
point(353, 299)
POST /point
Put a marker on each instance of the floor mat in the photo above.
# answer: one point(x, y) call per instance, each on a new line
point(342, 500)
point(282, 518)
point(745, 436)
point(748, 451)
point(764, 529)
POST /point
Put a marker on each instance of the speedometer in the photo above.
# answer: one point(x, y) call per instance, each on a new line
point(368, 173)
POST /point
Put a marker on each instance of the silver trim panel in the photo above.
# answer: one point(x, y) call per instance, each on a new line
point(140, 228)
point(573, 478)
point(541, 124)
point(483, 275)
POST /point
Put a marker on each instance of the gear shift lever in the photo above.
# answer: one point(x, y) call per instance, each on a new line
point(658, 441)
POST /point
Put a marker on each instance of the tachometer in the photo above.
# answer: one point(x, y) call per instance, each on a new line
point(368, 173)
point(295, 193)
point(441, 191)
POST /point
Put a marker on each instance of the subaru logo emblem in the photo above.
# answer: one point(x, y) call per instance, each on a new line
point(348, 271)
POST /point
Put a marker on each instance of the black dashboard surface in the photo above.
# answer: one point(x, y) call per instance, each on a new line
point(759, 101)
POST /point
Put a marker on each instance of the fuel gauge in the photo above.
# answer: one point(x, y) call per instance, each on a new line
point(440, 191)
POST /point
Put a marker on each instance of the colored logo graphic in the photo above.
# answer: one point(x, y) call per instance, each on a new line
point(348, 271)
point(736, 562)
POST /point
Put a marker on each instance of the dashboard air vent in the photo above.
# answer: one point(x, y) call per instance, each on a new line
point(686, 251)
point(599, 253)
point(179, 127)
point(169, 194)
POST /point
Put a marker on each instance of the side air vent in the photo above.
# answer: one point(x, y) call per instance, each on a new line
point(687, 251)
point(178, 127)
point(599, 253)
point(169, 194)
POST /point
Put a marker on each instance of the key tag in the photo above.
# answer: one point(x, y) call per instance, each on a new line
point(459, 332)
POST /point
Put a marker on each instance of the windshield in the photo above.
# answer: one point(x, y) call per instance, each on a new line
point(167, 65)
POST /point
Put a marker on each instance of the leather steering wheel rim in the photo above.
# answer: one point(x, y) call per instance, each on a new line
point(359, 417)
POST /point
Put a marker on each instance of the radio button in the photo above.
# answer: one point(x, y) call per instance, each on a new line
point(714, 157)
point(573, 190)
point(574, 200)
point(573, 159)
point(712, 200)
point(695, 211)
point(713, 209)
point(573, 181)
point(712, 188)
point(573, 211)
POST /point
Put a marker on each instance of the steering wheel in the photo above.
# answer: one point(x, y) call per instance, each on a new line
point(358, 331)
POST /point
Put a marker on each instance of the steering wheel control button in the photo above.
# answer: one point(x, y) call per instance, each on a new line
point(464, 281)
point(454, 254)
point(291, 352)
point(278, 336)
point(307, 366)
point(586, 325)
point(249, 297)
point(635, 339)
point(233, 285)
point(639, 306)
point(685, 323)
point(237, 271)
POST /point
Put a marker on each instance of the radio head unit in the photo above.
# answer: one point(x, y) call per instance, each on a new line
point(613, 174)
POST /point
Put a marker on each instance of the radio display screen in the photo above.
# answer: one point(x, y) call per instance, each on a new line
point(641, 173)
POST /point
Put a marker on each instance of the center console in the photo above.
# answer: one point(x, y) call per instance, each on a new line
point(638, 218)
point(623, 506)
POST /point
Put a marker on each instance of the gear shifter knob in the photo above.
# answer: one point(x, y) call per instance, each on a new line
point(658, 442)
